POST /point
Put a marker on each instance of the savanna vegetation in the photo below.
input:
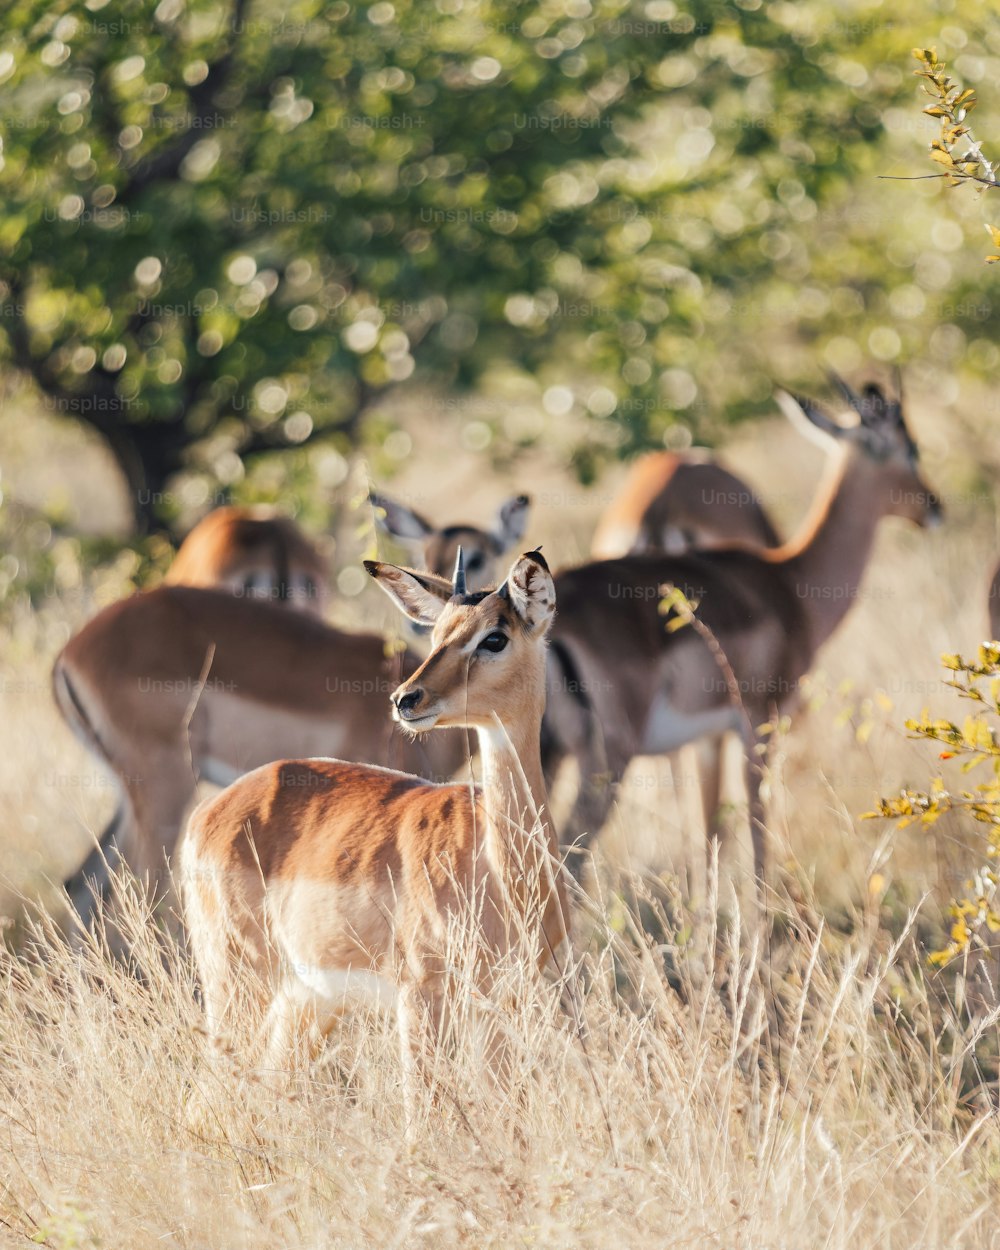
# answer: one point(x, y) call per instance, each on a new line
point(274, 253)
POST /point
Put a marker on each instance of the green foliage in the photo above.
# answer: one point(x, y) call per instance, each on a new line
point(976, 745)
point(230, 226)
point(955, 147)
point(45, 560)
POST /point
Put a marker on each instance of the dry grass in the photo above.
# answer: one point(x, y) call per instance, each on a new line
point(820, 1091)
point(814, 1101)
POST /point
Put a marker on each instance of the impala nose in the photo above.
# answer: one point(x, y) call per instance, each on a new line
point(407, 703)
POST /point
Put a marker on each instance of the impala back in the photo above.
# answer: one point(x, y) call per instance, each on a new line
point(651, 688)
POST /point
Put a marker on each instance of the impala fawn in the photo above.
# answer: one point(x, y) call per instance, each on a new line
point(311, 882)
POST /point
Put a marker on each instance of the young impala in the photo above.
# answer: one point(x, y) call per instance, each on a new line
point(208, 688)
point(179, 685)
point(313, 881)
point(255, 552)
point(625, 685)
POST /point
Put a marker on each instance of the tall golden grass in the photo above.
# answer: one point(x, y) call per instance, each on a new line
point(811, 1092)
point(817, 1086)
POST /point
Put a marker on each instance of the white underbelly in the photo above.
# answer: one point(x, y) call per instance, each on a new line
point(347, 987)
point(239, 735)
point(667, 729)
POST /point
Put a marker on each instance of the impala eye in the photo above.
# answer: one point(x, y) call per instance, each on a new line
point(474, 562)
point(493, 642)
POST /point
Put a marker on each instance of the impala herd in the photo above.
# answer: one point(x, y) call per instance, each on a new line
point(312, 880)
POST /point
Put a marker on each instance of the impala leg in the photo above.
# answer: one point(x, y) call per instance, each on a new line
point(234, 960)
point(552, 758)
point(159, 795)
point(755, 804)
point(295, 1021)
point(420, 1013)
point(589, 812)
point(300, 1017)
point(499, 1068)
point(710, 782)
point(92, 879)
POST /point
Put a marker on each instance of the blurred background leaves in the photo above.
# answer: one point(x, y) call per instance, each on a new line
point(231, 228)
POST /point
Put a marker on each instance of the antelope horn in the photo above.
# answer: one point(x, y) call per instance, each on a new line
point(846, 391)
point(899, 391)
point(458, 581)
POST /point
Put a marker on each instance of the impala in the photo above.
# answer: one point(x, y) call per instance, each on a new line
point(314, 881)
point(180, 684)
point(674, 501)
point(629, 686)
point(256, 552)
point(435, 549)
point(212, 690)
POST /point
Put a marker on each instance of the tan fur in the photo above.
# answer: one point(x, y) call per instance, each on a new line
point(316, 693)
point(644, 689)
point(324, 870)
point(434, 548)
point(180, 683)
point(253, 551)
point(675, 501)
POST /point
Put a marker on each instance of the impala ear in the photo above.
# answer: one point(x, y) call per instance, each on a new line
point(531, 592)
point(397, 520)
point(420, 596)
point(512, 521)
point(810, 420)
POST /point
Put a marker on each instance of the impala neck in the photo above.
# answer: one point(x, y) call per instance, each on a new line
point(517, 820)
point(828, 557)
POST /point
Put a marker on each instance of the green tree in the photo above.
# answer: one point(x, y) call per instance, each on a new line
point(229, 225)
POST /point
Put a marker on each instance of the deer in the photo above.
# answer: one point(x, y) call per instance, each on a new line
point(626, 685)
point(674, 501)
point(253, 551)
point(311, 884)
point(434, 549)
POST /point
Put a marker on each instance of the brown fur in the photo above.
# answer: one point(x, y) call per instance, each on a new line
point(170, 685)
point(128, 683)
point(769, 610)
point(322, 868)
point(253, 551)
point(675, 501)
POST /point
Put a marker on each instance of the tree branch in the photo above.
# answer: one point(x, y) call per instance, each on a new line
point(204, 98)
